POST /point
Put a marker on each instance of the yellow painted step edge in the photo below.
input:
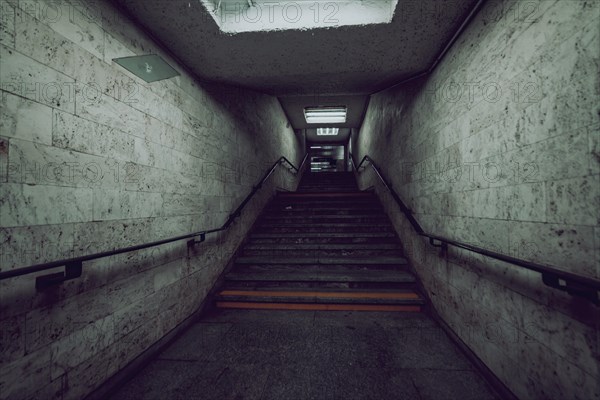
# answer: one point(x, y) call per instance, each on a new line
point(317, 307)
point(352, 295)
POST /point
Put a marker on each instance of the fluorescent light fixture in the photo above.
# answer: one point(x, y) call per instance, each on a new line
point(325, 115)
point(150, 68)
point(328, 131)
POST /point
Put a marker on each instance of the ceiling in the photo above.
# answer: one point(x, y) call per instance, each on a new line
point(266, 15)
point(300, 65)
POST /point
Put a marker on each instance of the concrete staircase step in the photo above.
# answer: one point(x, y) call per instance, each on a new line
point(260, 298)
point(311, 197)
point(325, 219)
point(328, 185)
point(323, 195)
point(326, 235)
point(320, 240)
point(317, 268)
point(317, 212)
point(322, 275)
point(318, 290)
point(326, 190)
point(356, 229)
point(248, 252)
point(325, 206)
point(303, 285)
point(293, 295)
point(327, 202)
point(321, 246)
point(266, 260)
point(320, 307)
point(338, 209)
point(307, 224)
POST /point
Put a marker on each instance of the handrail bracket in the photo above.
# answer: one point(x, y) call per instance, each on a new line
point(201, 238)
point(573, 288)
point(72, 270)
point(438, 243)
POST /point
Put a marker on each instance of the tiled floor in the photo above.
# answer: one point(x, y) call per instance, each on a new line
point(299, 355)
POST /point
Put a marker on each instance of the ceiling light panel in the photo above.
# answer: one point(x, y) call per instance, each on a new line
point(328, 131)
point(325, 115)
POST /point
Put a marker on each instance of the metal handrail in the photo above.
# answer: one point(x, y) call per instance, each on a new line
point(73, 266)
point(574, 284)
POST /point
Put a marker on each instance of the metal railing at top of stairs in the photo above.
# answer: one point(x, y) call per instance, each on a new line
point(74, 266)
point(574, 284)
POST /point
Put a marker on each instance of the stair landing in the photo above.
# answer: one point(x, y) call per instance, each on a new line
point(301, 355)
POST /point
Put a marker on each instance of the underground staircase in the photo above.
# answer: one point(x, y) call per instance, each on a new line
point(323, 248)
point(327, 246)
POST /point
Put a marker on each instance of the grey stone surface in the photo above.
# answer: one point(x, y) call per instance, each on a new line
point(7, 25)
point(513, 169)
point(93, 158)
point(24, 119)
point(309, 355)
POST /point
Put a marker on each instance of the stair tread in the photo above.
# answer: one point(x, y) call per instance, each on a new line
point(322, 253)
point(302, 298)
point(329, 202)
point(323, 246)
point(317, 268)
point(323, 276)
point(323, 235)
point(365, 260)
point(321, 216)
point(299, 212)
point(286, 195)
point(319, 225)
point(320, 307)
point(318, 290)
point(323, 294)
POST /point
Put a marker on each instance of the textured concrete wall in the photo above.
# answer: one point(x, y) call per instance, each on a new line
point(93, 158)
point(498, 147)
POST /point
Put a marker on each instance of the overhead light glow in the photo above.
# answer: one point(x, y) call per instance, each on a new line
point(328, 131)
point(237, 16)
point(325, 115)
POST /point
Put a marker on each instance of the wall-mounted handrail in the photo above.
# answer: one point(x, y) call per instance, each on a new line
point(415, 224)
point(73, 266)
point(574, 284)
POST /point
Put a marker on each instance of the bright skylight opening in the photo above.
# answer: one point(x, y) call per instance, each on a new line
point(236, 16)
point(328, 131)
point(325, 115)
